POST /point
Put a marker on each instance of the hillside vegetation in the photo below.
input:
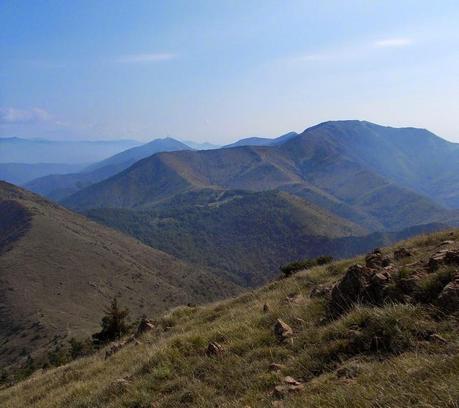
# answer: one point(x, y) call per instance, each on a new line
point(382, 333)
point(332, 165)
point(59, 270)
point(246, 235)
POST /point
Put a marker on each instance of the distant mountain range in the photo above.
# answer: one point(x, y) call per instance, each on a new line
point(329, 165)
point(363, 179)
point(59, 271)
point(263, 141)
point(201, 146)
point(33, 151)
point(21, 173)
point(204, 224)
point(58, 187)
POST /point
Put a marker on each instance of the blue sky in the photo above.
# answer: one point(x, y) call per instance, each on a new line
point(221, 70)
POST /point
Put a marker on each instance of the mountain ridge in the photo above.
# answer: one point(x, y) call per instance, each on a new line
point(58, 187)
point(315, 165)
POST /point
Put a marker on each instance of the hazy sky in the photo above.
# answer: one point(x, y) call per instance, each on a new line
point(220, 70)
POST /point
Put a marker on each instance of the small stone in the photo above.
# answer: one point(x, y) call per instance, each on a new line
point(291, 381)
point(295, 298)
point(290, 385)
point(276, 367)
point(144, 326)
point(114, 348)
point(401, 253)
point(282, 330)
point(320, 291)
point(214, 349)
point(265, 308)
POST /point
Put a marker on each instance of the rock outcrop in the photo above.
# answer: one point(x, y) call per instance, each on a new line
point(360, 284)
point(449, 296)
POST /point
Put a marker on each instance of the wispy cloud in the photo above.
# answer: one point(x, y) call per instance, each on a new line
point(142, 58)
point(348, 52)
point(21, 116)
point(312, 57)
point(393, 42)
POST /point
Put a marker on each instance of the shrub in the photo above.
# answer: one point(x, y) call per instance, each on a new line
point(296, 266)
point(113, 324)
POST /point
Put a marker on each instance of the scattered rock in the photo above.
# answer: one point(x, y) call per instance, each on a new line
point(276, 367)
point(114, 348)
point(289, 385)
point(145, 325)
point(408, 284)
point(377, 260)
point(401, 253)
point(449, 296)
point(295, 298)
point(282, 330)
point(214, 349)
point(291, 381)
point(443, 257)
point(320, 291)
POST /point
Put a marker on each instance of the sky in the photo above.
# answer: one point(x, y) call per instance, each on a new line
point(218, 71)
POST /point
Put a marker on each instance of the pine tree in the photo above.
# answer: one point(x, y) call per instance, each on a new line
point(113, 324)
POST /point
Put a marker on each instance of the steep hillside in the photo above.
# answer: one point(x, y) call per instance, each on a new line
point(58, 271)
point(313, 165)
point(413, 158)
point(298, 342)
point(21, 173)
point(58, 187)
point(248, 235)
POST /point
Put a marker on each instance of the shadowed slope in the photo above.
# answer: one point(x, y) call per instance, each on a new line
point(60, 270)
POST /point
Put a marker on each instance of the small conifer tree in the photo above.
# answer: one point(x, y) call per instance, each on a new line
point(113, 324)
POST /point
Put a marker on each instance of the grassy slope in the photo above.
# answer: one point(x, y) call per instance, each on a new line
point(170, 368)
point(59, 270)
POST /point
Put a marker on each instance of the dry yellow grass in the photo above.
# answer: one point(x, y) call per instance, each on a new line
point(170, 367)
